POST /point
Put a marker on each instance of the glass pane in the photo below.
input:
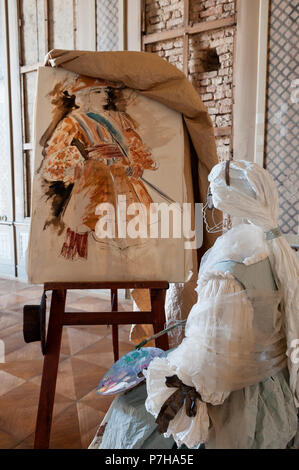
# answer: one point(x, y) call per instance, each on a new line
point(5, 169)
point(29, 32)
point(32, 31)
point(108, 25)
point(61, 24)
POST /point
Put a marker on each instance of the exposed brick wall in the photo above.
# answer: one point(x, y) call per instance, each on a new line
point(172, 51)
point(162, 15)
point(223, 147)
point(214, 87)
point(210, 10)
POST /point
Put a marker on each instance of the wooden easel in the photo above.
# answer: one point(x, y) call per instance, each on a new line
point(59, 318)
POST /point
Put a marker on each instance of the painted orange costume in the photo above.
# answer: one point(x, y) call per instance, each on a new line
point(100, 156)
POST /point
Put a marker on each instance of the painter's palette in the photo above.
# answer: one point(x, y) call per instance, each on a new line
point(126, 373)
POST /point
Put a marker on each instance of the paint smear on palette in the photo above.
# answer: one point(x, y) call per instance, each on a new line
point(126, 373)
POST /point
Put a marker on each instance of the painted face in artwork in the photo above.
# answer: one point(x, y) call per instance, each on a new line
point(92, 99)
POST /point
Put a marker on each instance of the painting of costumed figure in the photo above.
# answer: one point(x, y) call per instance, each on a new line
point(94, 145)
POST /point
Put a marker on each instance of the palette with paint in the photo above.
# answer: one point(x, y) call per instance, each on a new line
point(126, 373)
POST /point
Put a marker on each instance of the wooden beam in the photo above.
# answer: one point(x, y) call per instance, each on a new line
point(108, 318)
point(30, 68)
point(86, 25)
point(194, 29)
point(46, 20)
point(211, 25)
point(75, 24)
point(222, 131)
point(28, 146)
point(163, 35)
point(186, 38)
point(107, 285)
point(142, 18)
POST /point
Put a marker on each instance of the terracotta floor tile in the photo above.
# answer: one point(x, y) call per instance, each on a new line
point(99, 353)
point(13, 341)
point(19, 407)
point(27, 443)
point(65, 345)
point(66, 430)
point(11, 330)
point(86, 376)
point(79, 341)
point(123, 335)
point(65, 385)
point(98, 402)
point(99, 330)
point(92, 304)
point(89, 420)
point(25, 352)
point(8, 382)
point(8, 319)
point(24, 369)
point(7, 441)
point(125, 347)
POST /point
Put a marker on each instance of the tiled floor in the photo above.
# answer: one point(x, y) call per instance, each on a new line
point(86, 355)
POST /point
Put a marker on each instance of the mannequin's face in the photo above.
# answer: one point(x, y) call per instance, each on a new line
point(224, 197)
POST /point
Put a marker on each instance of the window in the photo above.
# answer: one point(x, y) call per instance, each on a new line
point(110, 16)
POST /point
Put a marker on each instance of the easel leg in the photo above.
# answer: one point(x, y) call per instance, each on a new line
point(158, 302)
point(114, 308)
point(50, 368)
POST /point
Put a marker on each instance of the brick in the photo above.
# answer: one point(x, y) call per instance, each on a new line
point(202, 90)
point(219, 95)
point(209, 74)
point(205, 82)
point(209, 3)
point(211, 89)
point(229, 7)
point(213, 11)
point(207, 97)
point(174, 51)
point(217, 80)
point(223, 121)
point(224, 109)
point(178, 43)
point(155, 20)
point(167, 45)
point(174, 22)
point(209, 104)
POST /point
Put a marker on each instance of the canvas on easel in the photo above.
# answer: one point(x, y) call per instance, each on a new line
point(101, 148)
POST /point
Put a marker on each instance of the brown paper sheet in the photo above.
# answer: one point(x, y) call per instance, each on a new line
point(154, 78)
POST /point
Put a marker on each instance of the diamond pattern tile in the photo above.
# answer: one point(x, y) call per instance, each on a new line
point(282, 121)
point(107, 25)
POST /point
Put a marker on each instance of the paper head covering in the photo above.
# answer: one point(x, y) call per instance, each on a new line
point(252, 193)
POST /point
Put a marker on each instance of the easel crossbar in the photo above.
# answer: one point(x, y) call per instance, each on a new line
point(107, 318)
